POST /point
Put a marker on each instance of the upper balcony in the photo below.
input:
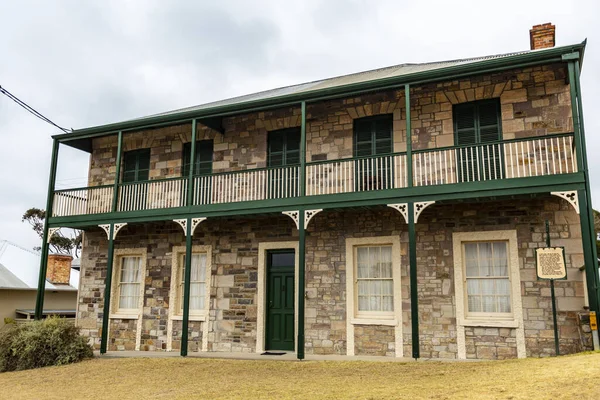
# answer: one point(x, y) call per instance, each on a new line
point(520, 158)
point(508, 130)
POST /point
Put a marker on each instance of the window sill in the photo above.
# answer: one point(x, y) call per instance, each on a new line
point(124, 316)
point(190, 318)
point(368, 321)
point(490, 323)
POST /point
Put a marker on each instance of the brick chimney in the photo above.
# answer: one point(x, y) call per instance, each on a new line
point(59, 269)
point(542, 36)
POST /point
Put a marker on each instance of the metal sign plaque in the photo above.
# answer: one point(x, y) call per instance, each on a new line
point(550, 263)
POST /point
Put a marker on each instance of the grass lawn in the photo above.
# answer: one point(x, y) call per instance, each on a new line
point(570, 377)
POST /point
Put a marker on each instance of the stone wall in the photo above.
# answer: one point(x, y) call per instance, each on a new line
point(329, 132)
point(534, 101)
point(232, 322)
point(123, 334)
point(325, 329)
point(243, 145)
point(194, 336)
point(373, 340)
point(232, 325)
point(491, 343)
point(526, 216)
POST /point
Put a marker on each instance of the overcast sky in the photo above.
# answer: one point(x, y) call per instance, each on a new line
point(84, 63)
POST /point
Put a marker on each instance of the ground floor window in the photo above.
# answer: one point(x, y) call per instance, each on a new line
point(127, 289)
point(373, 278)
point(487, 279)
point(129, 283)
point(486, 271)
point(197, 284)
point(374, 285)
point(200, 275)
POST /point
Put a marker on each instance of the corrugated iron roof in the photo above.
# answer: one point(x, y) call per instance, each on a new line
point(394, 76)
point(358, 77)
point(8, 280)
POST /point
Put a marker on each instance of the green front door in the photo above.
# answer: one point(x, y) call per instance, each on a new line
point(280, 300)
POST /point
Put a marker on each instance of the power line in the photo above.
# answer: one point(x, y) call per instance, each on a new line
point(31, 109)
point(5, 243)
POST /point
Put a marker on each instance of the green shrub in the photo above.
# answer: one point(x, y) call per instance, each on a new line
point(53, 341)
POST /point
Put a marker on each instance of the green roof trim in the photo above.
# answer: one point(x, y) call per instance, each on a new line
point(379, 79)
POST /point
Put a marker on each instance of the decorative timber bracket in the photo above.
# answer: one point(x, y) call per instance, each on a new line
point(195, 222)
point(117, 228)
point(51, 232)
point(308, 215)
point(420, 206)
point(293, 215)
point(570, 196)
point(402, 208)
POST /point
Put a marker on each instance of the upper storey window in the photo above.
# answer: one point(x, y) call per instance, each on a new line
point(283, 147)
point(283, 150)
point(477, 126)
point(203, 161)
point(136, 165)
point(477, 122)
point(373, 135)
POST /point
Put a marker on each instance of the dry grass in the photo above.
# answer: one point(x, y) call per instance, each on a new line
point(571, 377)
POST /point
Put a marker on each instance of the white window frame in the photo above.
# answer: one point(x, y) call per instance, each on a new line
point(505, 320)
point(370, 314)
point(483, 314)
point(116, 311)
point(372, 317)
point(351, 318)
point(177, 267)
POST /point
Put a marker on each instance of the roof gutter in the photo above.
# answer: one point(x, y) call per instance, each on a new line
point(492, 65)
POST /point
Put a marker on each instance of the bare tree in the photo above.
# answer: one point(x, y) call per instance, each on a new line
point(59, 243)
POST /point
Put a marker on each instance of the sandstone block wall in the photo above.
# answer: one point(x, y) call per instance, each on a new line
point(527, 217)
point(232, 323)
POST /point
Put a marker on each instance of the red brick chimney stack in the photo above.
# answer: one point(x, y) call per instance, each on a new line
point(542, 36)
point(59, 269)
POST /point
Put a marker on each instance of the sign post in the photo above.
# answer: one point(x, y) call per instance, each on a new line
point(550, 265)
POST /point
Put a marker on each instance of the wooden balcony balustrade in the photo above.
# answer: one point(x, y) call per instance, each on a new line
point(519, 158)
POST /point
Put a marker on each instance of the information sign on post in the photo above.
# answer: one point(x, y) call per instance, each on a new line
point(550, 263)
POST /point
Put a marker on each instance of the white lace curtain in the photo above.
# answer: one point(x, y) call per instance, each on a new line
point(197, 283)
point(129, 292)
point(488, 283)
point(374, 279)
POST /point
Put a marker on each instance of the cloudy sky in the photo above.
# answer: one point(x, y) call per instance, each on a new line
point(84, 63)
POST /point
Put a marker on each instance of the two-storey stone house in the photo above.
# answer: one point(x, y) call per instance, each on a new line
point(392, 212)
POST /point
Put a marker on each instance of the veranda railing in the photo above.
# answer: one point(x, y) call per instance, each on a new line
point(519, 158)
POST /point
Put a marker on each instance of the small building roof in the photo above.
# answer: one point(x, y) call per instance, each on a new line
point(19, 269)
point(10, 280)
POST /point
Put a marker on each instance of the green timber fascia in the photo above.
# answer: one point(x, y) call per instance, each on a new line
point(449, 73)
point(458, 191)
